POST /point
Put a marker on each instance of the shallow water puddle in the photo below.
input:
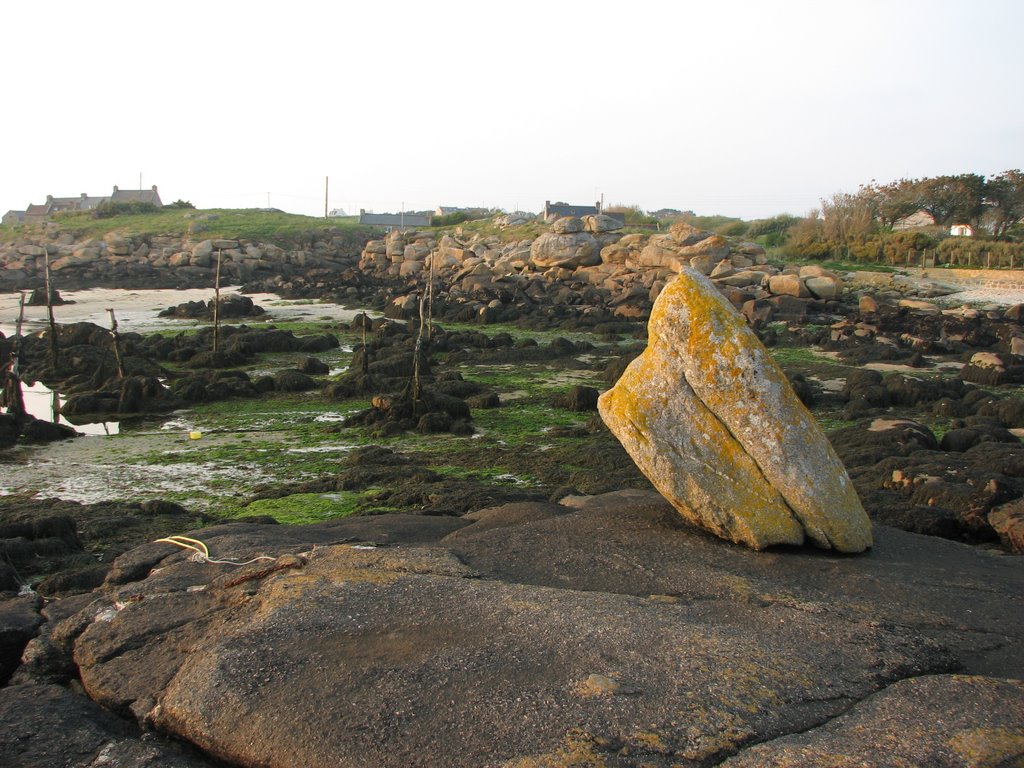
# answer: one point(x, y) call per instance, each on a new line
point(43, 403)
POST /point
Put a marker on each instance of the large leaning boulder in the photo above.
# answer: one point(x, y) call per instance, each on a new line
point(711, 420)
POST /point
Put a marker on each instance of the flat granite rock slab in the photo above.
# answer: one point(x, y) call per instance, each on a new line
point(400, 656)
point(943, 721)
point(633, 542)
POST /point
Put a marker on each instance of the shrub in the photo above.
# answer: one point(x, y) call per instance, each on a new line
point(180, 204)
point(449, 219)
point(108, 209)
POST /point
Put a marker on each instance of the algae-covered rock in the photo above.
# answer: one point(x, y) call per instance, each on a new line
point(712, 421)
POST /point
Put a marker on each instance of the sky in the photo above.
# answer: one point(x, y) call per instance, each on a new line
point(740, 108)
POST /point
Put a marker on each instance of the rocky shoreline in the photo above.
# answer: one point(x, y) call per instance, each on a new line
point(581, 622)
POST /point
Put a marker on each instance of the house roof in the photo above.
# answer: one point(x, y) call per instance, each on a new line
point(38, 210)
point(64, 203)
point(140, 195)
point(18, 215)
point(562, 209)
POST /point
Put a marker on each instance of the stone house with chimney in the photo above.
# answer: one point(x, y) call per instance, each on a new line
point(36, 213)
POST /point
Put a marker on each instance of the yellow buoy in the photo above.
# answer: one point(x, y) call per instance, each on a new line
point(194, 435)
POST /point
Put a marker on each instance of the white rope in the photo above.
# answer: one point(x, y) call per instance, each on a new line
point(201, 553)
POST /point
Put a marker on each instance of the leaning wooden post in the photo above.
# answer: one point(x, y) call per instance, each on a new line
point(430, 300)
point(366, 352)
point(49, 311)
point(117, 343)
point(216, 303)
point(417, 386)
point(13, 396)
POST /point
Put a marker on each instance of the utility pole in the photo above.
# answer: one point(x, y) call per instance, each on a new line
point(326, 182)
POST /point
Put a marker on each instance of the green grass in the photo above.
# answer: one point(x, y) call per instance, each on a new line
point(283, 229)
point(300, 508)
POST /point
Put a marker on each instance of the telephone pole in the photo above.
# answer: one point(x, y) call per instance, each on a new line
point(326, 182)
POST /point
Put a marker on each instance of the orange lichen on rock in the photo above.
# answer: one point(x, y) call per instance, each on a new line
point(711, 420)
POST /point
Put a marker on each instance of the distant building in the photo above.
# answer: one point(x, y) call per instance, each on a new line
point(42, 212)
point(137, 196)
point(558, 210)
point(390, 221)
point(961, 230)
point(336, 213)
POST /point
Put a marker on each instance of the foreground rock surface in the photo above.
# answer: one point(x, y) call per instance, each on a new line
point(600, 631)
point(886, 729)
point(714, 424)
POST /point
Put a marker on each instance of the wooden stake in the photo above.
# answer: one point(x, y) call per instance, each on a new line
point(216, 304)
point(366, 352)
point(430, 301)
point(12, 393)
point(49, 311)
point(117, 343)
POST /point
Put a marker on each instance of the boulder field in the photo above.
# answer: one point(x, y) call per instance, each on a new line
point(603, 630)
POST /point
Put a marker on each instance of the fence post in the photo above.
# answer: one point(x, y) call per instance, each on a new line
point(988, 259)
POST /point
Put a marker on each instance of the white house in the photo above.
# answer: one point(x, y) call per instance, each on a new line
point(961, 230)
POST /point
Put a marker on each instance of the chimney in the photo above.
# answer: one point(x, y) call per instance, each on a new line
point(49, 198)
point(115, 187)
point(154, 187)
point(84, 196)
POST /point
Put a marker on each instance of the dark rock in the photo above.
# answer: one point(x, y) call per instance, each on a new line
point(579, 398)
point(218, 359)
point(484, 401)
point(968, 437)
point(1009, 411)
point(40, 431)
point(434, 421)
point(73, 582)
point(318, 343)
point(19, 623)
point(314, 367)
point(803, 388)
point(865, 444)
point(48, 725)
point(38, 298)
point(10, 428)
point(293, 381)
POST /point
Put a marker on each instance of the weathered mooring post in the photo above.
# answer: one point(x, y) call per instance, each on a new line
point(54, 348)
point(216, 303)
point(117, 343)
point(13, 397)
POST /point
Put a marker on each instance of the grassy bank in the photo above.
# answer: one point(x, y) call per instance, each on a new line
point(277, 227)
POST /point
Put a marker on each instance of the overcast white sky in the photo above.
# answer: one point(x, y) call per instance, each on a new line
point(740, 108)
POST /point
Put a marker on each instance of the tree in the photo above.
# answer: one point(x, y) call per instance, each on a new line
point(847, 217)
point(1004, 196)
point(953, 199)
point(893, 201)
